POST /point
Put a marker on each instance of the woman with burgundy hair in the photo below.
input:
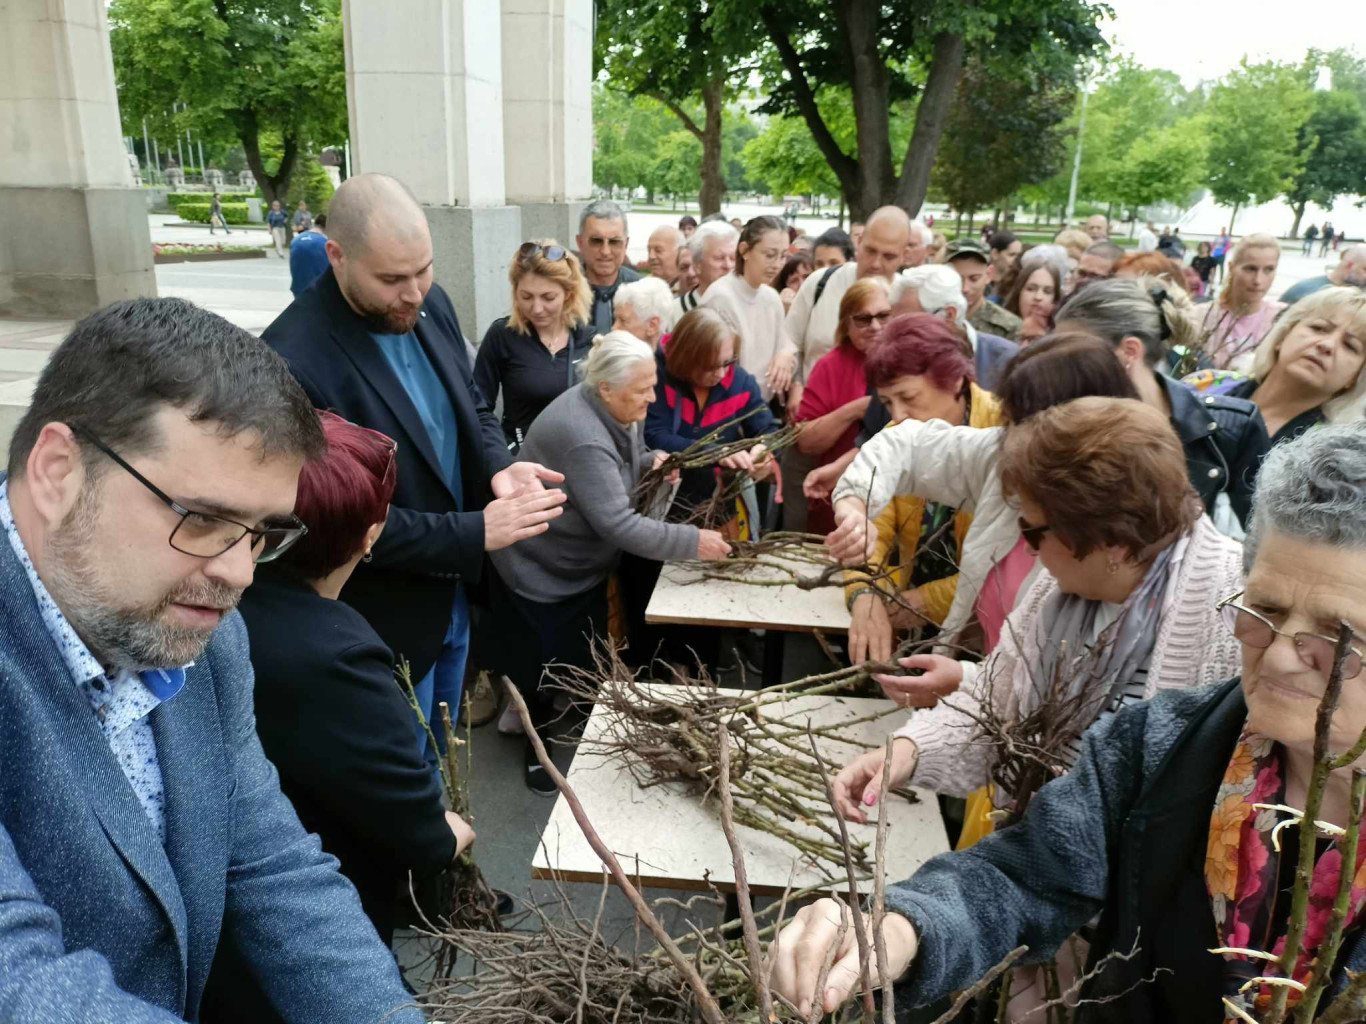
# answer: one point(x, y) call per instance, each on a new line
point(918, 370)
point(329, 713)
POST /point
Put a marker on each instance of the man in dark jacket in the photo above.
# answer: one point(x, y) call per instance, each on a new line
point(603, 239)
point(376, 341)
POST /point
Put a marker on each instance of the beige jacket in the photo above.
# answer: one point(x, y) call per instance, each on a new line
point(1192, 649)
point(952, 465)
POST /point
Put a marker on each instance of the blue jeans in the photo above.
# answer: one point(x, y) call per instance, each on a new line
point(446, 679)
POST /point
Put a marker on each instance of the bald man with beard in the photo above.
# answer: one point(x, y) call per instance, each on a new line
point(376, 341)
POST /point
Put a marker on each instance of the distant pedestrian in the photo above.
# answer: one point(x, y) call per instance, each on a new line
point(1203, 264)
point(302, 219)
point(216, 215)
point(1328, 234)
point(308, 256)
point(1310, 233)
point(279, 227)
point(1221, 246)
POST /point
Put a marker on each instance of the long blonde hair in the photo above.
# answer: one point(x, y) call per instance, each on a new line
point(1239, 253)
point(1329, 303)
point(566, 272)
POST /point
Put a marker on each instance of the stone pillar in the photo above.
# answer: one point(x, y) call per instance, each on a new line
point(548, 112)
point(73, 231)
point(424, 87)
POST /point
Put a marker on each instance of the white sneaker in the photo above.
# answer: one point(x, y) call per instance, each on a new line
point(510, 722)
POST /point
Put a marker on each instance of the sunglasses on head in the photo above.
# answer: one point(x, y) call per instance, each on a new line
point(530, 250)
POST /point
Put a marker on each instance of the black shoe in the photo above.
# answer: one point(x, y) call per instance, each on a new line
point(538, 780)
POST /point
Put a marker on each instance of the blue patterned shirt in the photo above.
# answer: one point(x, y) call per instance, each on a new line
point(122, 702)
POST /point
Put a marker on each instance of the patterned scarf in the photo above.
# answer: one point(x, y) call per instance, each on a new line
point(1242, 871)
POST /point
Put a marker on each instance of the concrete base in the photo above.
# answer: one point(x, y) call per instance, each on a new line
point(472, 248)
point(66, 252)
point(559, 221)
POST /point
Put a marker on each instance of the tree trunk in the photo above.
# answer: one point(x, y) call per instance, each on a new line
point(958, 224)
point(1232, 218)
point(869, 89)
point(841, 220)
point(1299, 215)
point(713, 181)
point(930, 117)
point(273, 186)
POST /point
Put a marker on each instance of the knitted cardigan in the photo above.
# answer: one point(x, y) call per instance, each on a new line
point(1192, 649)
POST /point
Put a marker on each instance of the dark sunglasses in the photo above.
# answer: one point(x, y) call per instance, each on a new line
point(868, 319)
point(1033, 535)
point(530, 250)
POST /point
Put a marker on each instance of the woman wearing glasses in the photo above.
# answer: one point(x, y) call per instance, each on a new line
point(328, 713)
point(1168, 826)
point(533, 354)
point(836, 396)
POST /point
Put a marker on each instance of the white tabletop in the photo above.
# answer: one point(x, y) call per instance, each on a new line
point(678, 838)
point(683, 597)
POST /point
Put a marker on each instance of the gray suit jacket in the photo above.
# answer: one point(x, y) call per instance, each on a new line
point(101, 922)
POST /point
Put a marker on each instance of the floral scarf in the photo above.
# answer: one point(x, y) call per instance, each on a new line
point(1242, 869)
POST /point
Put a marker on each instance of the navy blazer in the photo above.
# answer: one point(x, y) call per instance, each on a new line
point(428, 546)
point(101, 922)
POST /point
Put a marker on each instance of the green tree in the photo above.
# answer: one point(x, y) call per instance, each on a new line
point(242, 69)
point(1004, 132)
point(1164, 164)
point(627, 132)
point(1255, 116)
point(785, 160)
point(889, 55)
point(669, 51)
point(1333, 143)
point(676, 163)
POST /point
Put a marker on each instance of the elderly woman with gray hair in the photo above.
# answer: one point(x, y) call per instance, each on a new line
point(550, 595)
point(1168, 827)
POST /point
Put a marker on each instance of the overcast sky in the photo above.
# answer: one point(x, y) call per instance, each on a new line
point(1202, 39)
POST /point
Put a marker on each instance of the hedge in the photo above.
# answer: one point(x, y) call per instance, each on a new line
point(233, 213)
point(176, 198)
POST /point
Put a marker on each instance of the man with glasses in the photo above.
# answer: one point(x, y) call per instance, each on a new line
point(141, 826)
point(376, 341)
point(1097, 264)
point(602, 240)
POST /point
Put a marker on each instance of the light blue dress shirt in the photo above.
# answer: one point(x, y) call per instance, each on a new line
point(122, 702)
point(414, 370)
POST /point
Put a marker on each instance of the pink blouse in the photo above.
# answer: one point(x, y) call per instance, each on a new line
point(996, 599)
point(1232, 342)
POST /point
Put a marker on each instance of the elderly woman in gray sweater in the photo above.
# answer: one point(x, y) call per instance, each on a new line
point(550, 594)
point(1168, 826)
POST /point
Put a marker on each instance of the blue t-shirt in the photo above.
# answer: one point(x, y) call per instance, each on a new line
point(415, 372)
point(307, 261)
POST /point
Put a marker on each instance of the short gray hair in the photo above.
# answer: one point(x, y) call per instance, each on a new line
point(604, 209)
point(719, 230)
point(922, 231)
point(615, 356)
point(650, 296)
point(1313, 488)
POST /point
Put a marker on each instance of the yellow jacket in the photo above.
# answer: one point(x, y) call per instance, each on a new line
point(898, 530)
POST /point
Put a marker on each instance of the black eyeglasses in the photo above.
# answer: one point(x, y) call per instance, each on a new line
point(528, 250)
point(726, 365)
point(1033, 535)
point(1256, 630)
point(868, 319)
point(203, 534)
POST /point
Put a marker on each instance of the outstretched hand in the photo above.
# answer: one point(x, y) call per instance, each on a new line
point(940, 677)
point(520, 476)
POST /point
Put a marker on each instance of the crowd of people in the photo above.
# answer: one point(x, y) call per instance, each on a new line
point(1053, 462)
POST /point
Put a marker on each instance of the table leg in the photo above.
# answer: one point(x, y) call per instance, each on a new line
point(773, 656)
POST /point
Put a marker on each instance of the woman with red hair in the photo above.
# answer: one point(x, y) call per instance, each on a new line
point(328, 711)
point(919, 370)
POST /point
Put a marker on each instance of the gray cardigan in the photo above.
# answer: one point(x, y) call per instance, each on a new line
point(601, 461)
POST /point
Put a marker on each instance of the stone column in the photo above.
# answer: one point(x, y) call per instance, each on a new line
point(548, 112)
point(73, 231)
point(424, 88)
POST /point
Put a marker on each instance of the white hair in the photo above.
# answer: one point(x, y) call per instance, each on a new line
point(712, 229)
point(1314, 488)
point(1044, 255)
point(925, 235)
point(615, 356)
point(937, 287)
point(650, 296)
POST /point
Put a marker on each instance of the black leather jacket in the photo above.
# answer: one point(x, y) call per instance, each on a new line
point(1225, 440)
